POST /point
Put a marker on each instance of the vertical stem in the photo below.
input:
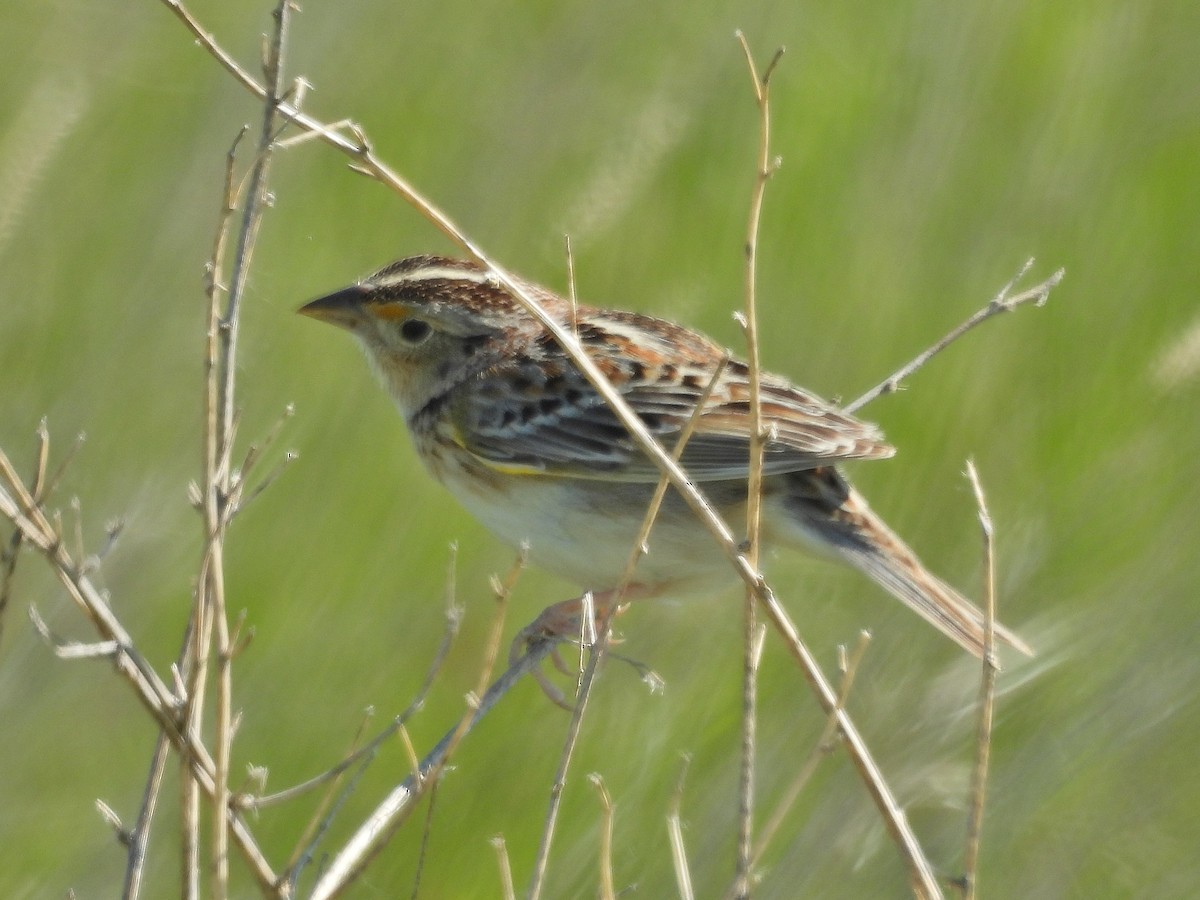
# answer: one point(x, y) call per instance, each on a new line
point(139, 835)
point(750, 634)
point(987, 691)
point(220, 425)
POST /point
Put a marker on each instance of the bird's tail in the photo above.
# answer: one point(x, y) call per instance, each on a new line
point(834, 517)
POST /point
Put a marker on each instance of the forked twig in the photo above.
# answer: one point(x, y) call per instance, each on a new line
point(1001, 303)
point(155, 696)
point(9, 554)
point(387, 816)
point(373, 833)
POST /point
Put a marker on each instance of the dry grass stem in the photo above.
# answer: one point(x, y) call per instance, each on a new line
point(39, 490)
point(679, 860)
point(757, 445)
point(453, 623)
point(391, 812)
point(159, 700)
point(220, 486)
point(607, 889)
point(139, 835)
point(507, 889)
point(426, 833)
point(600, 644)
point(825, 745)
point(987, 691)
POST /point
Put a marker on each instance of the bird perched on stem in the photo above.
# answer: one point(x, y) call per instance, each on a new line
point(504, 419)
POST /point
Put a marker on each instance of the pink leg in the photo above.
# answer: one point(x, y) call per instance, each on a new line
point(564, 622)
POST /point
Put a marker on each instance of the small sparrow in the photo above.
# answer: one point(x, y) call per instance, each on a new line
point(503, 418)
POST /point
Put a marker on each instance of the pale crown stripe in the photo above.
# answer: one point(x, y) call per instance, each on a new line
point(395, 279)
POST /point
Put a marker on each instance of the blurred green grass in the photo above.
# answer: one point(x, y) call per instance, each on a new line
point(928, 149)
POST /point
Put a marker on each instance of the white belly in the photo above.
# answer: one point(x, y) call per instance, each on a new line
point(584, 530)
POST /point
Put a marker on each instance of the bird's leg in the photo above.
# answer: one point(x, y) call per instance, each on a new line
point(565, 622)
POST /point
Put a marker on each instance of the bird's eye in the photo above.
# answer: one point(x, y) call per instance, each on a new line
point(414, 331)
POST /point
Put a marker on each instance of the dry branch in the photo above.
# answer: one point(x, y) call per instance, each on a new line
point(987, 689)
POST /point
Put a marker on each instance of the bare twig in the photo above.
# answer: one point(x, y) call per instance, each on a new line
point(113, 821)
point(193, 659)
point(987, 690)
point(426, 832)
point(506, 879)
point(757, 445)
point(65, 649)
point(683, 873)
point(139, 835)
point(600, 646)
point(41, 487)
point(396, 806)
point(1001, 303)
point(607, 889)
point(151, 691)
point(373, 833)
point(9, 554)
point(824, 746)
point(219, 480)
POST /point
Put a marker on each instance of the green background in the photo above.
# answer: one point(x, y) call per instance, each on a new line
point(928, 149)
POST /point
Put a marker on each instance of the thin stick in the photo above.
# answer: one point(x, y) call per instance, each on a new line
point(1001, 303)
point(987, 690)
point(683, 874)
point(378, 827)
point(139, 835)
point(151, 691)
point(227, 369)
point(194, 654)
point(607, 889)
point(506, 878)
point(8, 558)
point(824, 746)
point(389, 814)
point(757, 445)
point(600, 647)
point(426, 832)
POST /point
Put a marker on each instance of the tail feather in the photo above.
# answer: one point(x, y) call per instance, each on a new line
point(928, 596)
point(835, 517)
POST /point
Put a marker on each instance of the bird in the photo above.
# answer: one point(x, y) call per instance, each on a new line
point(504, 419)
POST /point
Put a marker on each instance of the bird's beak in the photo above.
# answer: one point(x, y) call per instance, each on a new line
point(343, 308)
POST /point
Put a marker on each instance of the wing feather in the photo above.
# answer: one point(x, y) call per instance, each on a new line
point(541, 415)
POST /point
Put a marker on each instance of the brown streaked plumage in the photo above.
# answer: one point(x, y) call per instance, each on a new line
point(502, 417)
